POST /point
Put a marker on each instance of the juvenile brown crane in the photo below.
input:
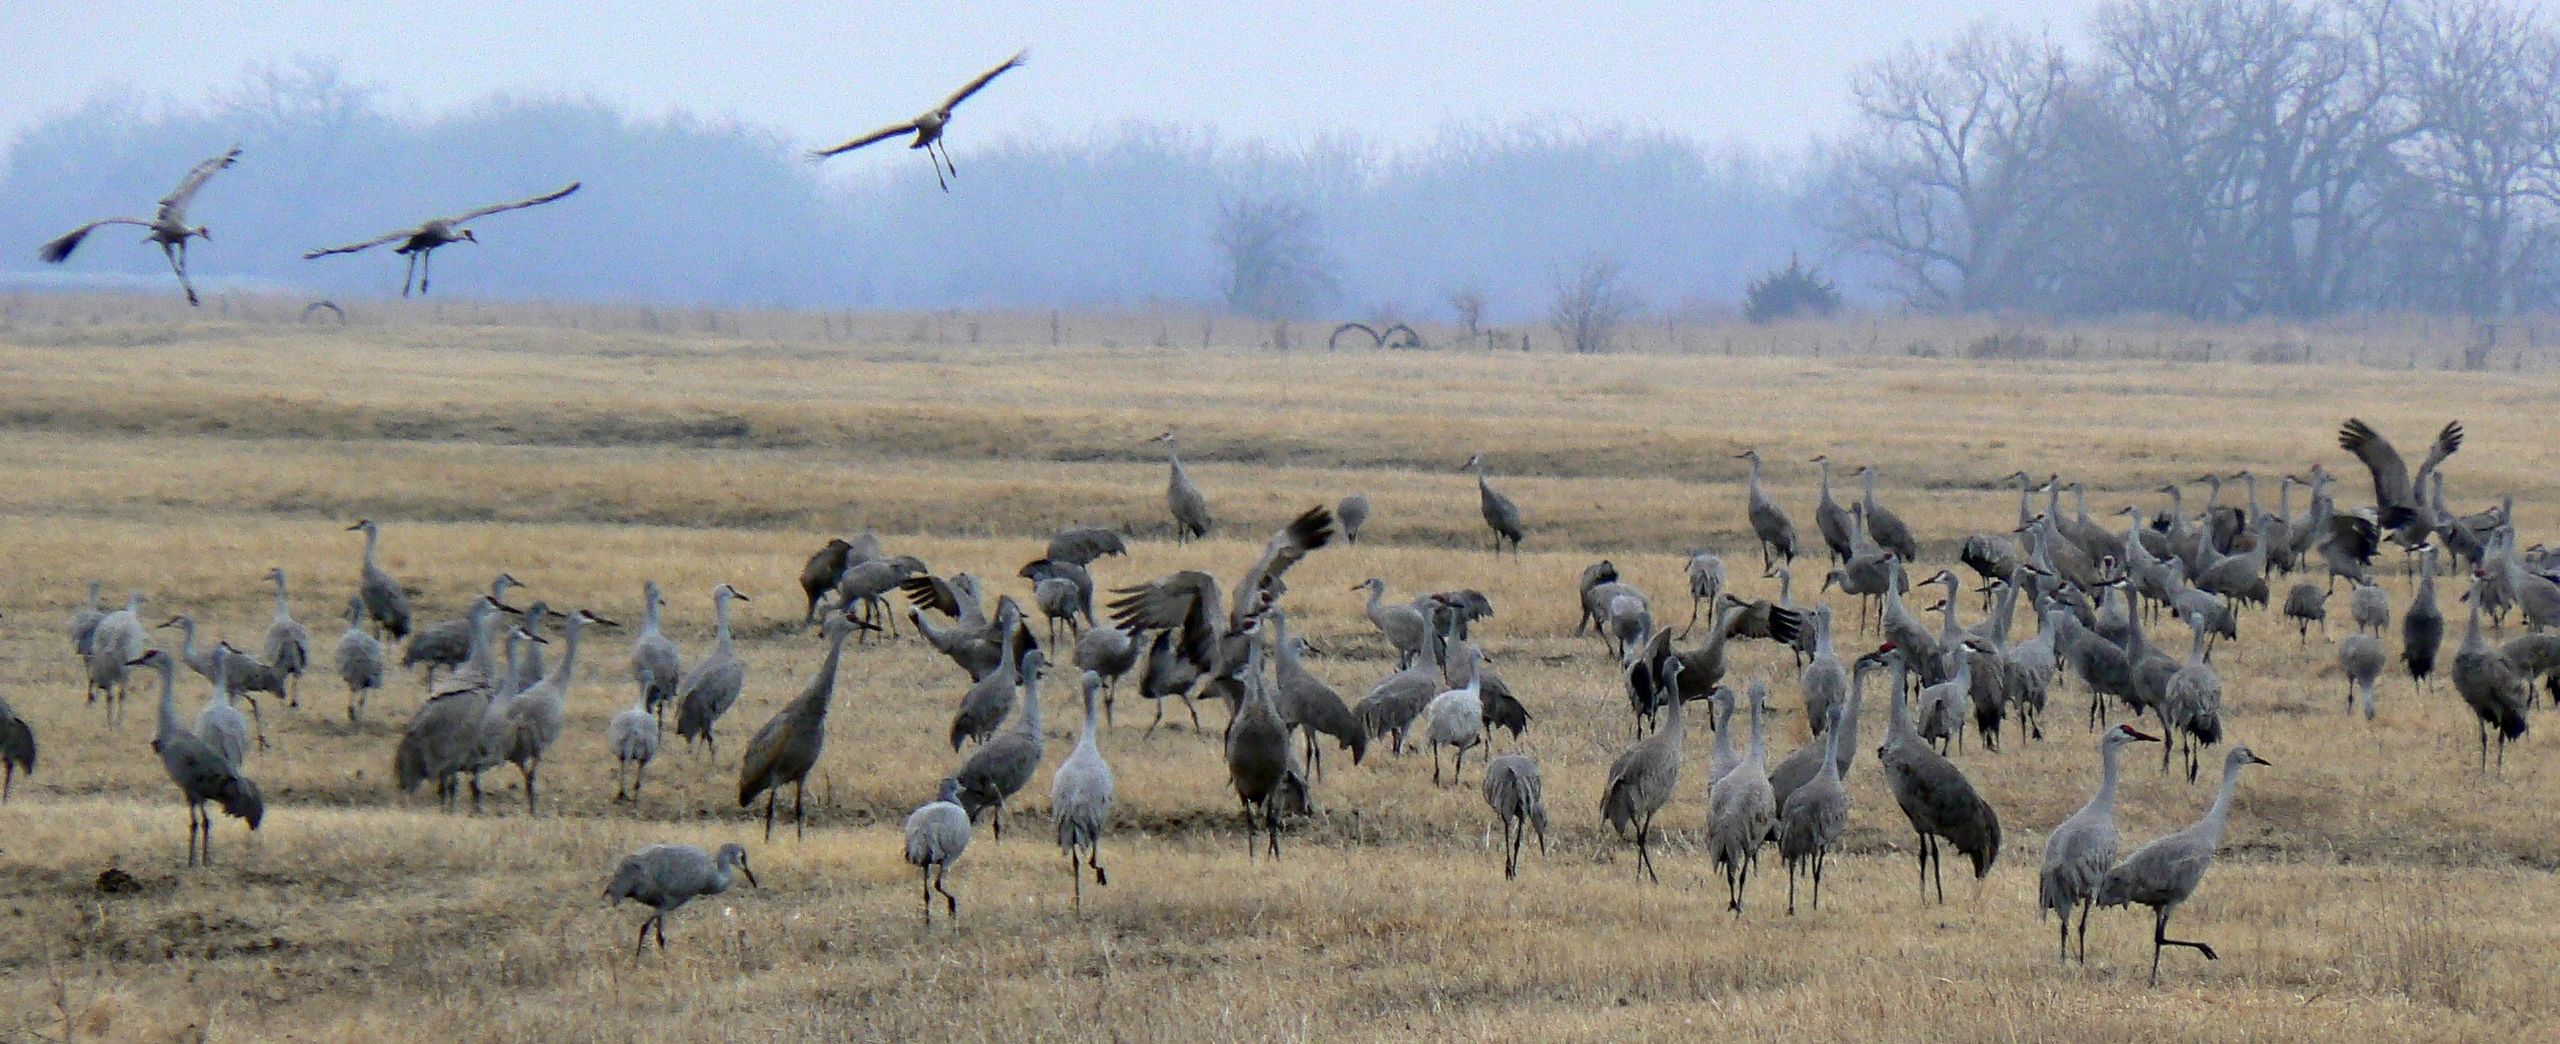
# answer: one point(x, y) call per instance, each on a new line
point(787, 747)
point(928, 127)
point(419, 242)
point(168, 227)
point(1500, 514)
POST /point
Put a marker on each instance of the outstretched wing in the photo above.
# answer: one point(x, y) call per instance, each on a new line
point(883, 134)
point(499, 208)
point(1187, 601)
point(387, 237)
point(59, 250)
point(972, 86)
point(1307, 532)
point(2390, 474)
point(174, 205)
point(2447, 441)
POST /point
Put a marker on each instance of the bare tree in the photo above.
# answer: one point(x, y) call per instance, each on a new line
point(1591, 303)
point(1468, 304)
point(1277, 265)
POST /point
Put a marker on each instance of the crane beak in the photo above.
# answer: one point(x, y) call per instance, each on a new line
point(2138, 734)
point(601, 621)
point(2254, 759)
point(751, 876)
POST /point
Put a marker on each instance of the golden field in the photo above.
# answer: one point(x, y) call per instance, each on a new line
point(2374, 883)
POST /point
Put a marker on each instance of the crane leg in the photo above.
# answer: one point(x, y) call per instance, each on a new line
point(768, 817)
point(640, 944)
point(1075, 874)
point(939, 882)
point(800, 824)
point(639, 775)
point(2160, 940)
point(1938, 870)
point(1819, 855)
point(1093, 858)
point(946, 187)
point(426, 273)
point(2085, 905)
point(924, 879)
point(1791, 889)
point(662, 932)
point(1271, 824)
point(531, 769)
point(406, 282)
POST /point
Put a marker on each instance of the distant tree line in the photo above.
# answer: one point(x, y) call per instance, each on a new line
point(2215, 159)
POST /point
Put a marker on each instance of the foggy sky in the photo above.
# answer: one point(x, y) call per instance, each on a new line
point(1771, 73)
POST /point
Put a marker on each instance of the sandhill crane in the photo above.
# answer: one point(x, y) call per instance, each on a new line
point(113, 645)
point(384, 599)
point(201, 772)
point(1945, 705)
point(788, 745)
point(822, 572)
point(1455, 719)
point(2165, 872)
point(1391, 705)
point(1741, 807)
point(2422, 627)
point(928, 127)
point(2398, 495)
point(1059, 600)
point(1595, 603)
point(1306, 702)
point(1499, 708)
point(1769, 522)
point(2360, 658)
point(1005, 763)
point(1516, 792)
point(937, 833)
point(665, 877)
point(287, 647)
point(2369, 606)
point(1722, 759)
point(219, 724)
point(444, 733)
point(1182, 498)
point(1167, 674)
point(1829, 518)
point(84, 623)
point(987, 702)
point(359, 658)
point(2192, 705)
point(1886, 527)
point(537, 714)
point(1079, 579)
point(1630, 622)
point(17, 747)
point(1643, 778)
point(2492, 687)
point(632, 737)
point(1257, 751)
point(1352, 513)
point(713, 687)
point(2078, 854)
point(1705, 573)
point(1604, 606)
point(1190, 602)
point(2306, 604)
point(448, 644)
point(1798, 768)
point(1080, 795)
point(655, 662)
point(1109, 652)
point(1500, 514)
point(1083, 544)
point(1402, 625)
point(1813, 818)
point(1935, 796)
point(418, 242)
point(168, 227)
point(497, 730)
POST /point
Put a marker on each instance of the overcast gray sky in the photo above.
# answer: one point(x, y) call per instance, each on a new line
point(1768, 72)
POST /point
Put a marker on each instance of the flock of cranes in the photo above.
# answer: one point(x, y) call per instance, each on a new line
point(1190, 636)
point(168, 227)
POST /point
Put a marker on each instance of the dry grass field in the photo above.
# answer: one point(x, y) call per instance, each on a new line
point(2374, 883)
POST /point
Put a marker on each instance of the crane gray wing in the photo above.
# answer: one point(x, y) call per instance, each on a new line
point(2390, 473)
point(972, 86)
point(1305, 533)
point(174, 205)
point(59, 249)
point(1187, 602)
point(883, 134)
point(500, 208)
point(387, 237)
point(2447, 441)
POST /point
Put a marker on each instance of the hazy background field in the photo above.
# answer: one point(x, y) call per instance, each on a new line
point(2375, 883)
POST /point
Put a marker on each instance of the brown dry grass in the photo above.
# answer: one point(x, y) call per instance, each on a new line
point(2374, 883)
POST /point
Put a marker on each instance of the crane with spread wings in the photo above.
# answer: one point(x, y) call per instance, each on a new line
point(419, 242)
point(928, 127)
point(168, 227)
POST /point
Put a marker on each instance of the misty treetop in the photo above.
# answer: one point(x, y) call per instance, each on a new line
point(688, 209)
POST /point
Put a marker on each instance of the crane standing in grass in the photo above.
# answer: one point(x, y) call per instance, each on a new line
point(665, 877)
point(1080, 795)
point(2164, 874)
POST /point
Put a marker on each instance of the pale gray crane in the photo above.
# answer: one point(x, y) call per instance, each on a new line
point(1080, 795)
point(1886, 527)
point(84, 623)
point(1500, 514)
point(989, 700)
point(1830, 519)
point(2492, 687)
point(360, 661)
point(1076, 599)
point(218, 723)
point(287, 647)
point(1630, 622)
point(418, 242)
point(1352, 514)
point(937, 833)
point(1258, 755)
point(665, 877)
point(928, 127)
point(444, 734)
point(655, 661)
point(1168, 676)
point(1182, 498)
point(1005, 763)
point(1516, 791)
point(1705, 573)
point(385, 601)
point(632, 736)
point(1059, 600)
point(1644, 777)
point(1742, 808)
point(1797, 769)
point(1769, 522)
point(225, 664)
point(713, 687)
point(539, 713)
point(2369, 606)
point(17, 748)
point(1935, 796)
point(2079, 852)
point(1722, 758)
point(200, 771)
point(1812, 819)
point(1455, 719)
point(448, 644)
point(167, 227)
point(2192, 706)
point(1596, 577)
point(117, 640)
point(2398, 495)
point(2422, 627)
point(1500, 708)
point(530, 670)
point(787, 747)
point(2360, 658)
point(2165, 873)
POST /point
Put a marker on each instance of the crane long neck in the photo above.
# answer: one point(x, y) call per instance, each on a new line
point(2471, 640)
point(168, 698)
point(649, 614)
point(2195, 647)
point(720, 615)
point(1900, 729)
point(2080, 501)
point(1759, 734)
point(371, 536)
point(2221, 811)
point(569, 650)
point(280, 595)
point(1825, 465)
point(1868, 480)
point(824, 688)
point(2107, 757)
point(1849, 717)
point(2024, 498)
point(1830, 767)
point(1031, 703)
point(1092, 719)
